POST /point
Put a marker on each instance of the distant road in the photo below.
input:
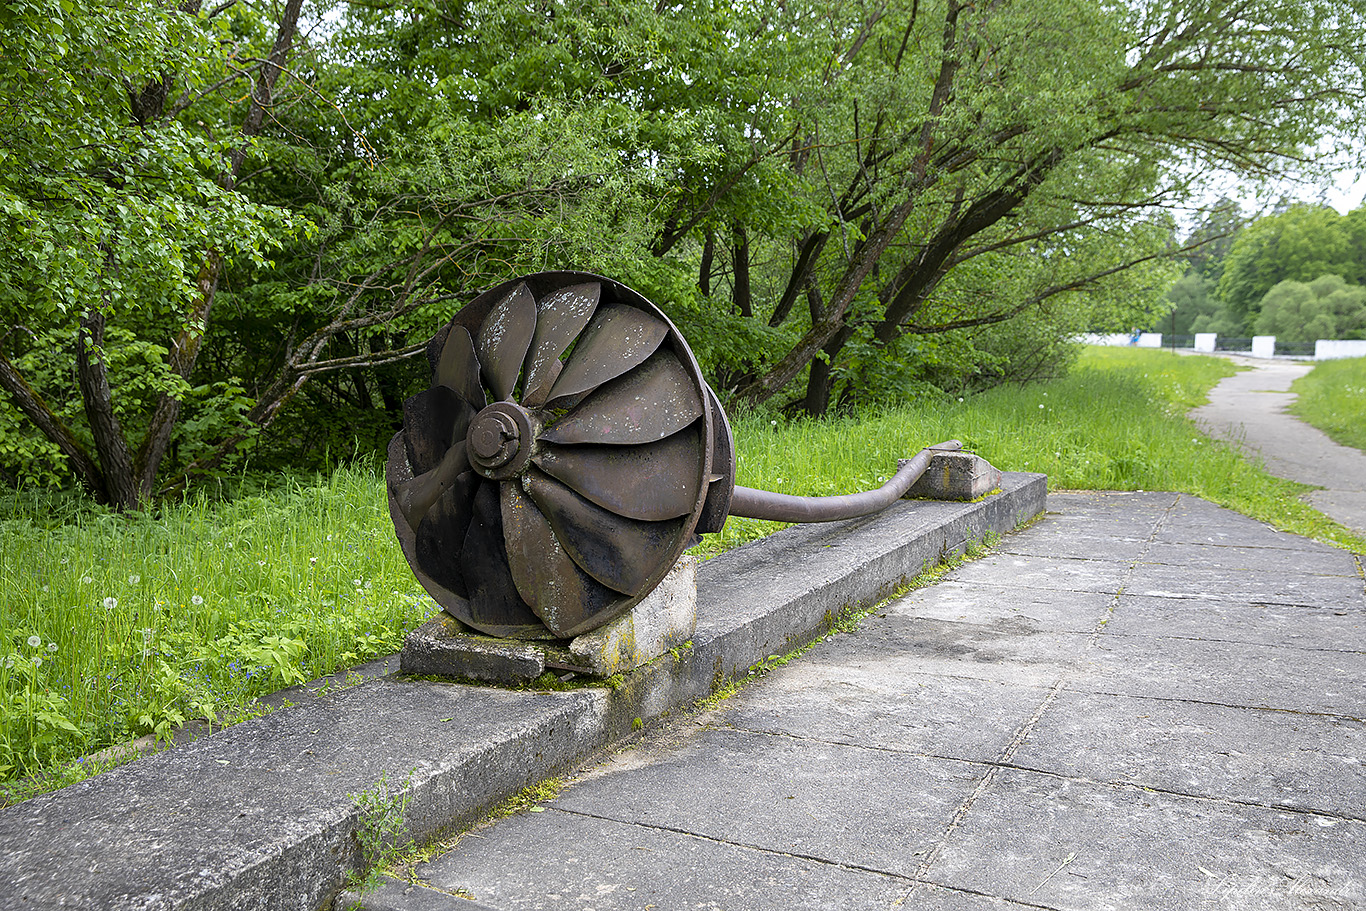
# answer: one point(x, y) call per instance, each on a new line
point(1249, 408)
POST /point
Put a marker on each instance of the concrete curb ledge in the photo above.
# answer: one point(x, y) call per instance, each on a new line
point(261, 815)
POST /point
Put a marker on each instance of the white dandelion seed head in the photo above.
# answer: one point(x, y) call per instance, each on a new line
point(52, 647)
point(260, 562)
point(34, 641)
point(329, 537)
point(37, 660)
point(196, 600)
point(356, 582)
point(86, 580)
point(134, 579)
point(312, 561)
point(110, 603)
point(45, 588)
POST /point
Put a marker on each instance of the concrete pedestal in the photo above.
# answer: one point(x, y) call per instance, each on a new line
point(664, 619)
point(956, 476)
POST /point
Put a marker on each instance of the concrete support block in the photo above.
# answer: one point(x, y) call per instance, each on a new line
point(956, 476)
point(1204, 341)
point(445, 647)
point(1263, 346)
point(664, 619)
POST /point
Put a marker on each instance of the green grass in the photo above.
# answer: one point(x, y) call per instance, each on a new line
point(113, 625)
point(1332, 397)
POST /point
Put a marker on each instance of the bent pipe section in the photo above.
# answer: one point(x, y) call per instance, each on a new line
point(780, 507)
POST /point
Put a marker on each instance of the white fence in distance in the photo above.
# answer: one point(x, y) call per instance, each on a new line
point(1262, 345)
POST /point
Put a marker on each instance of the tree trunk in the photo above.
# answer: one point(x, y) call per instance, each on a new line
point(120, 488)
point(741, 293)
point(704, 270)
point(85, 468)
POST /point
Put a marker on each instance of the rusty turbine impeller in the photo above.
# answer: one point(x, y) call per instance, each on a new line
point(566, 454)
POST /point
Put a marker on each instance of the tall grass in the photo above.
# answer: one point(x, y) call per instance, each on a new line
point(116, 625)
point(1332, 397)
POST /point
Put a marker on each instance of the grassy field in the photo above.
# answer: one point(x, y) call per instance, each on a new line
point(115, 626)
point(1332, 397)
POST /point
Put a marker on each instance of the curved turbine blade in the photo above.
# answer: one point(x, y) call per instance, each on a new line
point(495, 606)
point(503, 341)
point(618, 339)
point(440, 536)
point(651, 482)
point(416, 496)
point(655, 400)
point(560, 317)
point(566, 598)
point(458, 368)
point(433, 420)
point(620, 553)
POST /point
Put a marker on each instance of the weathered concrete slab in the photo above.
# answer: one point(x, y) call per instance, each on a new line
point(1077, 846)
point(1319, 561)
point(606, 865)
point(1337, 628)
point(955, 717)
point(1228, 673)
point(261, 815)
point(1049, 573)
point(867, 808)
point(1006, 652)
point(1272, 758)
point(1214, 584)
point(987, 602)
point(1195, 521)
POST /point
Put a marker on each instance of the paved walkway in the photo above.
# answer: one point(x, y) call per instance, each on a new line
point(1249, 408)
point(1141, 702)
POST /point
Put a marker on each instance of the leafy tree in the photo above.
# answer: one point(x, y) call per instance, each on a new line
point(921, 136)
point(1299, 244)
point(119, 211)
point(1327, 307)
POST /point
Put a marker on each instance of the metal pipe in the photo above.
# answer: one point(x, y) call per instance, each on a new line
point(764, 504)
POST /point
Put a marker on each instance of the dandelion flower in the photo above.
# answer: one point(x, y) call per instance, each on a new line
point(1041, 404)
point(37, 660)
point(111, 603)
point(196, 600)
point(260, 562)
point(329, 537)
point(34, 641)
point(52, 647)
point(134, 579)
point(356, 582)
point(312, 561)
point(86, 580)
